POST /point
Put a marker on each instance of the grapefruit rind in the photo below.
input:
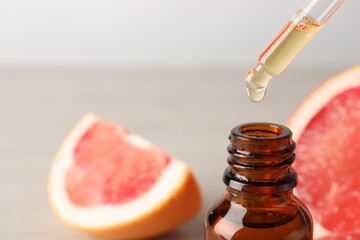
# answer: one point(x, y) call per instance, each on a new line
point(173, 199)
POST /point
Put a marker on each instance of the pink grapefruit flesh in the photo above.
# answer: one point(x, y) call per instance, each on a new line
point(344, 236)
point(326, 128)
point(108, 169)
point(327, 149)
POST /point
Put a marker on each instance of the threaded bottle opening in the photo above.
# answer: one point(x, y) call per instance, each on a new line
point(261, 154)
point(261, 139)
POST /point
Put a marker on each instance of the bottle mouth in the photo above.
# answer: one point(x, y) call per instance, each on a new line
point(261, 139)
point(261, 131)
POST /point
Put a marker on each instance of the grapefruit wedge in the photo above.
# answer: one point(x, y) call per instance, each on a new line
point(114, 184)
point(326, 128)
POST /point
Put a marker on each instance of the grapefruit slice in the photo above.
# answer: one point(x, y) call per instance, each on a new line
point(114, 184)
point(326, 128)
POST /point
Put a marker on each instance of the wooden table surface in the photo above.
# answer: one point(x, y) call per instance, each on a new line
point(188, 113)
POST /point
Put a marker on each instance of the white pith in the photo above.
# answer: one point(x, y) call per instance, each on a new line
point(312, 105)
point(99, 216)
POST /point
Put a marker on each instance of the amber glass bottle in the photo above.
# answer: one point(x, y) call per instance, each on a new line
point(258, 203)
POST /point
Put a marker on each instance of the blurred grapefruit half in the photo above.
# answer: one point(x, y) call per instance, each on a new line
point(326, 128)
point(114, 184)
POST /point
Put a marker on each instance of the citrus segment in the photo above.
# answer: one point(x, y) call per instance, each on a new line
point(326, 127)
point(111, 183)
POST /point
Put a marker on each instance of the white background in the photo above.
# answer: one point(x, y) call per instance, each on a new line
point(163, 33)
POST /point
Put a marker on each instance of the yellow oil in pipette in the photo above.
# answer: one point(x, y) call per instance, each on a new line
point(294, 38)
point(278, 55)
point(287, 45)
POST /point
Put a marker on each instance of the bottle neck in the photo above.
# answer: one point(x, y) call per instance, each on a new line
point(260, 159)
point(259, 198)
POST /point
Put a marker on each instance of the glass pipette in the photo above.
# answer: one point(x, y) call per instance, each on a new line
point(288, 44)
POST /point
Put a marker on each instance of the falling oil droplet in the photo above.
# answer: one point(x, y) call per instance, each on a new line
point(256, 95)
point(257, 80)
